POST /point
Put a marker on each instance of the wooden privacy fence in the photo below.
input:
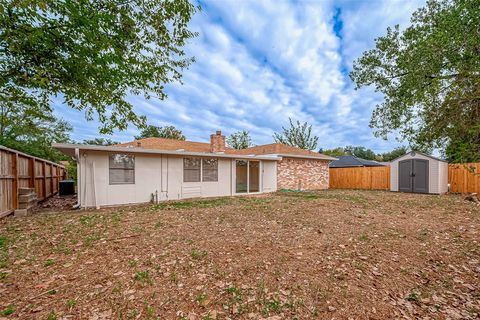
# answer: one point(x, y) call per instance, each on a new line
point(464, 177)
point(20, 170)
point(370, 178)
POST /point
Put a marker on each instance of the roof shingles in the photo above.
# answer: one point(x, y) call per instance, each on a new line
point(192, 146)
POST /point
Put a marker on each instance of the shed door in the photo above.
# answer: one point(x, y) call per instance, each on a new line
point(413, 176)
point(420, 175)
point(405, 171)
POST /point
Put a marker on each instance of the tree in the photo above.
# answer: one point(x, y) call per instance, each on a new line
point(336, 152)
point(27, 128)
point(395, 153)
point(298, 135)
point(239, 140)
point(167, 132)
point(429, 75)
point(360, 152)
point(100, 142)
point(93, 54)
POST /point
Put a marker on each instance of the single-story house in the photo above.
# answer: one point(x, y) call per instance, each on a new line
point(167, 169)
point(353, 161)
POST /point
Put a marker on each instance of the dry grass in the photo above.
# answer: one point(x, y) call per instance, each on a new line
point(331, 254)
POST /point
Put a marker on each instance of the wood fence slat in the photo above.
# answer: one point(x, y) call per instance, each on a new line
point(464, 177)
point(19, 170)
point(369, 178)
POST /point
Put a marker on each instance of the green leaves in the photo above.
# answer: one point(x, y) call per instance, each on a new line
point(94, 54)
point(167, 132)
point(429, 75)
point(239, 140)
point(297, 135)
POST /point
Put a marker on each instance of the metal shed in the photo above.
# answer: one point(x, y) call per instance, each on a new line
point(419, 173)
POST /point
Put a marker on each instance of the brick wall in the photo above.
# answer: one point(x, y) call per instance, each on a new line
point(217, 142)
point(304, 174)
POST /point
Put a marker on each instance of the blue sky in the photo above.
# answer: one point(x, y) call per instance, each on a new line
point(260, 62)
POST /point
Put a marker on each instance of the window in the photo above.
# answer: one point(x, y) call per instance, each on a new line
point(191, 169)
point(122, 169)
point(209, 170)
point(196, 169)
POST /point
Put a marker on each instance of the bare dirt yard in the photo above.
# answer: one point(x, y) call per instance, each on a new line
point(311, 255)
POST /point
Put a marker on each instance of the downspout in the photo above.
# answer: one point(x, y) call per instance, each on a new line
point(79, 184)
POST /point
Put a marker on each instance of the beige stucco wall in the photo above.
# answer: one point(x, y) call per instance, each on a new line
point(162, 173)
point(437, 173)
point(303, 174)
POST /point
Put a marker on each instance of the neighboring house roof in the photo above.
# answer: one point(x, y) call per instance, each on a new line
point(352, 161)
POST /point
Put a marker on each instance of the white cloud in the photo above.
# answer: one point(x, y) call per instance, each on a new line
point(260, 62)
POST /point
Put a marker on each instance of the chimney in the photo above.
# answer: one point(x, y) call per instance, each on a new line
point(139, 144)
point(217, 142)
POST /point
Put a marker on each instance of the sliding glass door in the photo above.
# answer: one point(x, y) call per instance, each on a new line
point(247, 176)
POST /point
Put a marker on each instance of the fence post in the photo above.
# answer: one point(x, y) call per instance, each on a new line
point(31, 173)
point(44, 164)
point(15, 180)
point(51, 179)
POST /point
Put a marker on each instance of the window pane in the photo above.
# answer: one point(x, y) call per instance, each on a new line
point(210, 170)
point(122, 161)
point(191, 170)
point(254, 176)
point(121, 169)
point(122, 176)
point(241, 179)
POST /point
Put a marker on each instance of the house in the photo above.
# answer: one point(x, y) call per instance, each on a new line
point(166, 169)
point(419, 173)
point(353, 161)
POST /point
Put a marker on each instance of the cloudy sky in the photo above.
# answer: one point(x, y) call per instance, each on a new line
point(260, 62)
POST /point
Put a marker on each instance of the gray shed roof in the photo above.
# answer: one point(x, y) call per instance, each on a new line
point(352, 161)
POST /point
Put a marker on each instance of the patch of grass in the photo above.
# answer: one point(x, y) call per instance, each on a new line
point(233, 290)
point(174, 277)
point(413, 296)
point(132, 263)
point(158, 225)
point(143, 277)
point(200, 298)
point(208, 203)
point(273, 305)
point(151, 313)
point(53, 291)
point(3, 252)
point(49, 262)
point(52, 316)
point(8, 311)
point(3, 275)
point(86, 220)
point(363, 237)
point(71, 303)
point(197, 254)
